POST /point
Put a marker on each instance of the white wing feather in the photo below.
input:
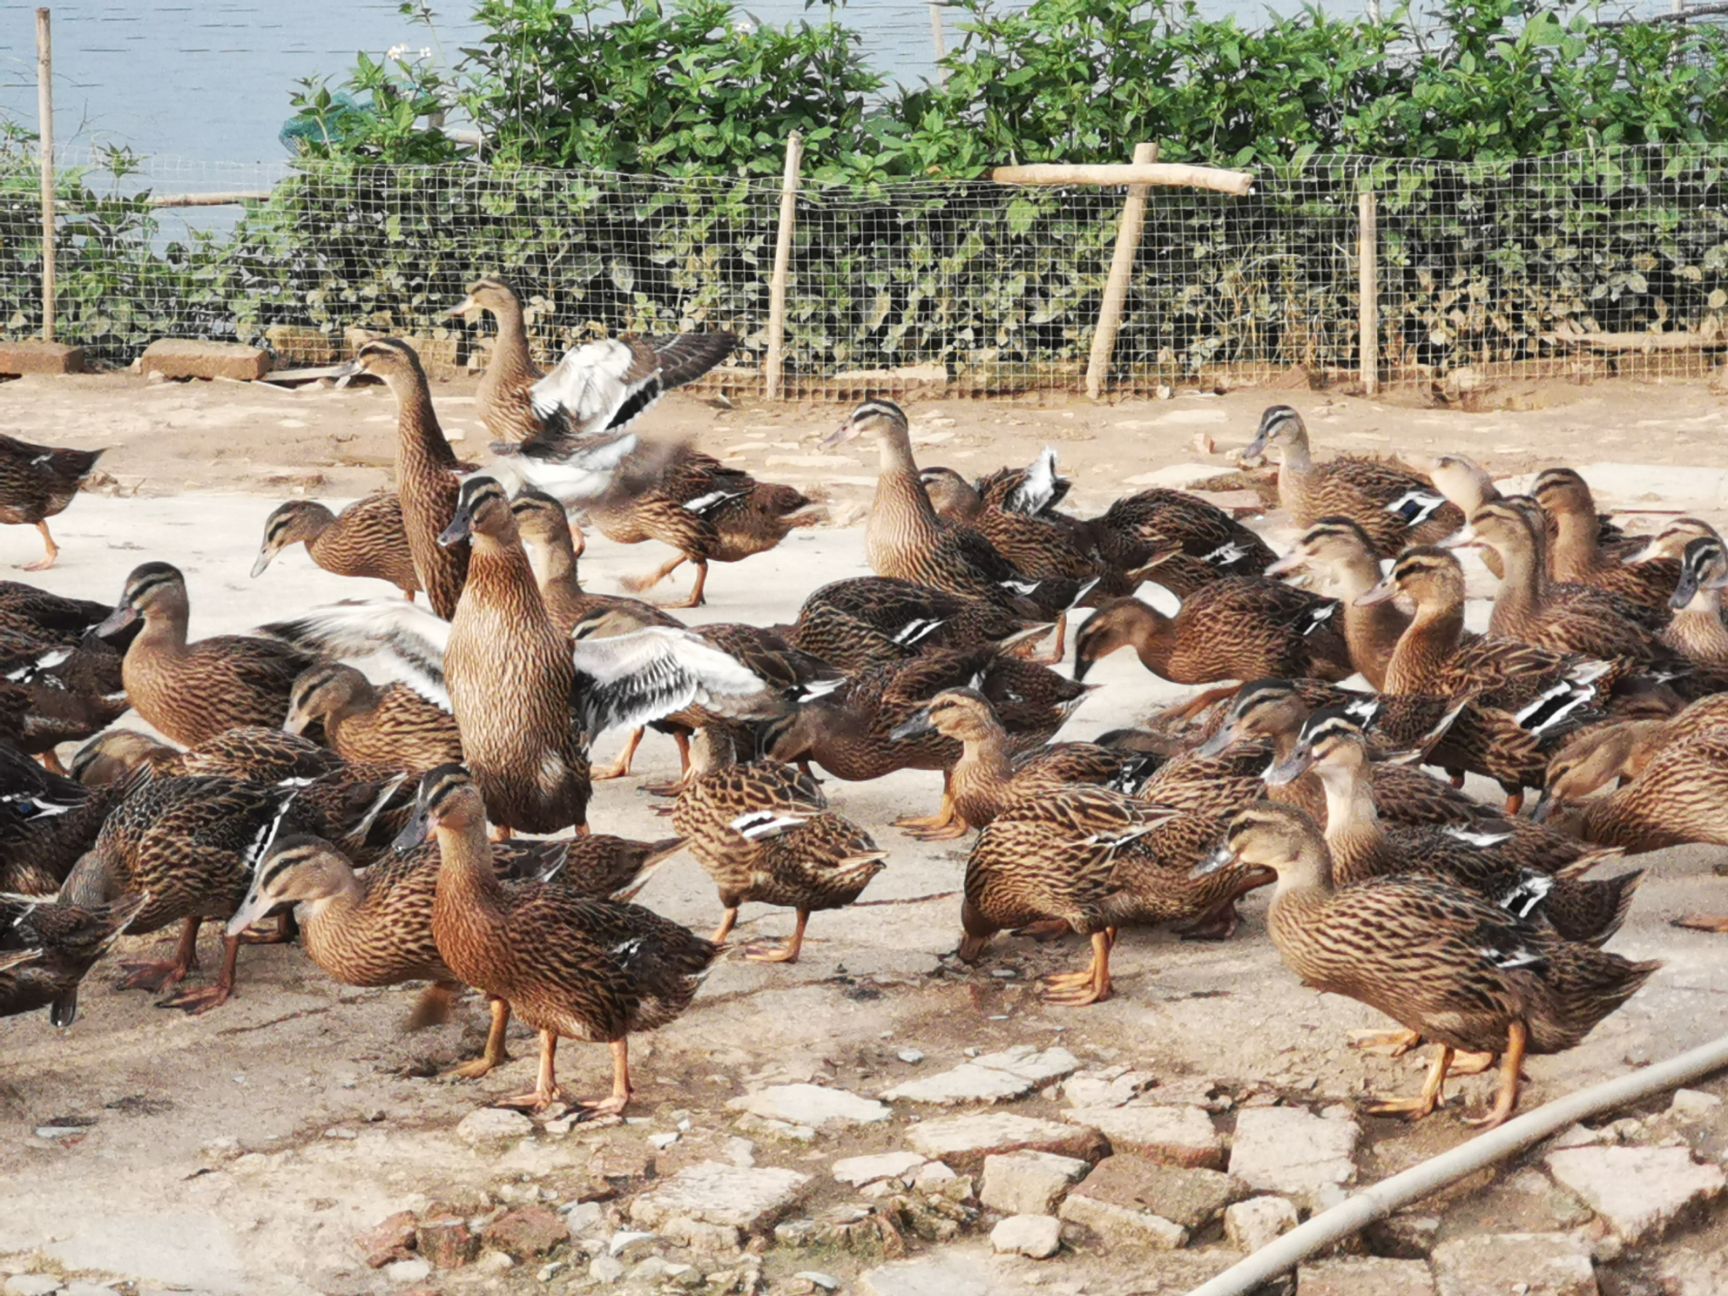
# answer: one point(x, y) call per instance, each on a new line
point(634, 678)
point(409, 636)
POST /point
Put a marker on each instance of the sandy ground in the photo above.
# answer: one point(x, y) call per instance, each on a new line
point(241, 1151)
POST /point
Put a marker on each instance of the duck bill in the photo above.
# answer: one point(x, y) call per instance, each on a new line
point(1384, 592)
point(262, 561)
point(457, 312)
point(1280, 773)
point(1216, 862)
point(840, 435)
point(1286, 565)
point(917, 725)
point(1462, 539)
point(1546, 805)
point(116, 621)
point(296, 722)
point(415, 831)
point(460, 528)
point(252, 909)
point(1257, 446)
point(1684, 592)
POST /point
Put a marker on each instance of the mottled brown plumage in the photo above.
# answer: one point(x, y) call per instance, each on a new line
point(764, 833)
point(1576, 554)
point(47, 946)
point(425, 472)
point(505, 393)
point(567, 965)
point(1449, 966)
point(37, 482)
point(1342, 559)
point(1394, 505)
point(195, 691)
point(866, 621)
point(389, 726)
point(368, 538)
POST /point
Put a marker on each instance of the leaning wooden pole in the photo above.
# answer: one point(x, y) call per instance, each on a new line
point(1428, 1177)
point(1121, 273)
point(775, 360)
point(1368, 290)
point(45, 145)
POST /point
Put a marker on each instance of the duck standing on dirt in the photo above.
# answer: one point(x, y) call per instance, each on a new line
point(37, 482)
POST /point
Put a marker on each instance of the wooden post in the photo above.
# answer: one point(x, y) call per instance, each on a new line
point(1116, 286)
point(937, 41)
point(775, 360)
point(45, 145)
point(1368, 287)
point(1181, 175)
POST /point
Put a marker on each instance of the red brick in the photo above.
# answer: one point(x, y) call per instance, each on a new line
point(25, 357)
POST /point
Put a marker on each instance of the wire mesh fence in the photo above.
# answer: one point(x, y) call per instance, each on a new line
point(1616, 259)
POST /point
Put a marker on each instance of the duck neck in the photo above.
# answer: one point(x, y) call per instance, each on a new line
point(1432, 635)
point(1153, 636)
point(983, 767)
point(554, 567)
point(420, 441)
point(164, 629)
point(333, 914)
point(468, 888)
point(1697, 629)
point(500, 564)
point(1371, 633)
point(1523, 583)
point(1354, 834)
point(1303, 889)
point(901, 514)
point(313, 522)
point(1573, 555)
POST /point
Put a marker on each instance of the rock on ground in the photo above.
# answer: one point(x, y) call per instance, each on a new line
point(1036, 1237)
point(1543, 1264)
point(28, 357)
point(712, 1192)
point(1029, 1183)
point(183, 358)
point(964, 1141)
point(1180, 1136)
point(862, 1170)
point(994, 1077)
point(493, 1125)
point(1112, 1202)
point(1251, 1224)
point(943, 1273)
point(1289, 1150)
point(817, 1106)
point(1106, 1087)
point(1638, 1191)
point(1365, 1276)
point(526, 1233)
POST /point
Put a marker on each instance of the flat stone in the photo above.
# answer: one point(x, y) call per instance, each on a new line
point(964, 1141)
point(1029, 1183)
point(994, 1077)
point(527, 1233)
point(1365, 1276)
point(408, 1271)
point(1123, 1225)
point(1183, 1195)
point(712, 1192)
point(862, 1170)
point(1107, 1087)
point(1251, 1224)
point(815, 1106)
point(816, 1278)
point(627, 1245)
point(186, 358)
point(1540, 1264)
point(1694, 1104)
point(933, 1177)
point(300, 345)
point(606, 1269)
point(76, 1288)
point(942, 1273)
point(1173, 1135)
point(1638, 1191)
point(32, 1285)
point(1037, 1237)
point(490, 1125)
point(25, 357)
point(1289, 1150)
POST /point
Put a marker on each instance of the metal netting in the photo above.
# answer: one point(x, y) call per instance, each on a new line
point(1610, 259)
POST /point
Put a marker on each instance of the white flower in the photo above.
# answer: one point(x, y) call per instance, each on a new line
point(395, 52)
point(425, 52)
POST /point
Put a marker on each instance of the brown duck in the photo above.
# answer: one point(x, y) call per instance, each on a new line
point(365, 539)
point(37, 482)
point(387, 725)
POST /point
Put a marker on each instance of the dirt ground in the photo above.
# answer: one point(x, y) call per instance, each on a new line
point(244, 1150)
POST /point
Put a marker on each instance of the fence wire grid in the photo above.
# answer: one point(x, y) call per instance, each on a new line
point(1615, 259)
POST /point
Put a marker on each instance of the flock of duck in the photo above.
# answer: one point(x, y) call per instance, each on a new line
point(286, 779)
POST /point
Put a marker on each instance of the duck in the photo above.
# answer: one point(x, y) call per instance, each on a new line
point(849, 731)
point(1448, 965)
point(1394, 505)
point(1529, 870)
point(988, 776)
point(764, 832)
point(1239, 628)
point(1271, 712)
point(390, 725)
point(1677, 797)
point(549, 538)
point(600, 386)
point(1088, 860)
point(37, 482)
point(1697, 631)
point(1562, 617)
point(194, 691)
point(1671, 540)
point(47, 821)
point(528, 700)
point(1620, 749)
point(189, 845)
point(48, 946)
point(1520, 700)
point(1342, 558)
point(1192, 541)
point(567, 965)
point(55, 615)
point(864, 621)
point(426, 470)
point(368, 538)
point(1577, 555)
point(708, 513)
point(64, 689)
point(906, 539)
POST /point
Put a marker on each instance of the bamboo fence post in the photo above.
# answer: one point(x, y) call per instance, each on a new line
point(45, 145)
point(1116, 286)
point(937, 41)
point(775, 359)
point(1368, 288)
